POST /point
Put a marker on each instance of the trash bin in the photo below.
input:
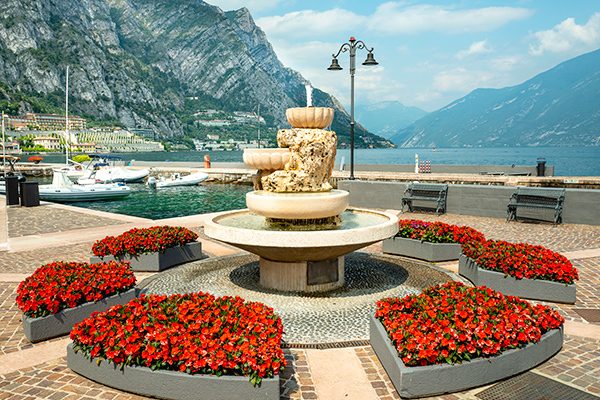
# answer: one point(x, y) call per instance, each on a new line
point(30, 194)
point(541, 166)
point(12, 190)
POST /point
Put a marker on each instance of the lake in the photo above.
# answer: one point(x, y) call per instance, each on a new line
point(567, 161)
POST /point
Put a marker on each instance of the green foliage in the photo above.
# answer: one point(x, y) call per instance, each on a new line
point(81, 158)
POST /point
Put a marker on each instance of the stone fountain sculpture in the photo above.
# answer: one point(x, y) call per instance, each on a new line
point(299, 226)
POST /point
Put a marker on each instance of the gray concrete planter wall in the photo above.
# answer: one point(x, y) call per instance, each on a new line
point(436, 379)
point(61, 323)
point(509, 285)
point(428, 251)
point(158, 261)
point(171, 384)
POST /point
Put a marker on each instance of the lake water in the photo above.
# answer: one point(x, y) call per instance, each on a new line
point(205, 198)
point(567, 161)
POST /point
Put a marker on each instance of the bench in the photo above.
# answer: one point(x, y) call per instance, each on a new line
point(425, 192)
point(530, 197)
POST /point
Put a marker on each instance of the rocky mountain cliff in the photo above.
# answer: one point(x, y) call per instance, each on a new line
point(136, 61)
point(558, 107)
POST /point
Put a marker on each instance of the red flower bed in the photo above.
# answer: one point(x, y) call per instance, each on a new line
point(61, 285)
point(147, 240)
point(453, 322)
point(192, 333)
point(437, 232)
point(522, 260)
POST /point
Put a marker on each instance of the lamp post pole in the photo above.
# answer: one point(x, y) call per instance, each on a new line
point(351, 48)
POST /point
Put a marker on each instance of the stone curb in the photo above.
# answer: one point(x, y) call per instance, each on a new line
point(436, 379)
point(432, 252)
point(158, 261)
point(534, 289)
point(61, 323)
point(170, 384)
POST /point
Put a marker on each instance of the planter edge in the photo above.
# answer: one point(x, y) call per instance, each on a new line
point(432, 252)
point(509, 285)
point(170, 384)
point(411, 382)
point(158, 261)
point(61, 323)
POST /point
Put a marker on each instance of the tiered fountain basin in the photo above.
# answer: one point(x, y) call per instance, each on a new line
point(298, 205)
point(309, 117)
point(267, 159)
point(302, 258)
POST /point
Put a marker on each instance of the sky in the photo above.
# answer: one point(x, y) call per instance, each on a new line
point(430, 53)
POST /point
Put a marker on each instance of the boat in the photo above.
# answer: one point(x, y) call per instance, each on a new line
point(75, 170)
point(107, 169)
point(64, 190)
point(177, 180)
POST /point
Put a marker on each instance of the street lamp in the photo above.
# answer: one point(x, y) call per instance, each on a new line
point(351, 47)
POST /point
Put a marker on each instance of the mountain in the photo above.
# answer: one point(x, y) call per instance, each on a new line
point(144, 63)
point(559, 107)
point(387, 117)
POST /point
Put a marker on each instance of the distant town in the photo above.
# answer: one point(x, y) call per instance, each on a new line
point(48, 133)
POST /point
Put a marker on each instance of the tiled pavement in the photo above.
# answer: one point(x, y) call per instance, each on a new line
point(577, 364)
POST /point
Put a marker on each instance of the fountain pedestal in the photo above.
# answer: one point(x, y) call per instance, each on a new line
point(303, 276)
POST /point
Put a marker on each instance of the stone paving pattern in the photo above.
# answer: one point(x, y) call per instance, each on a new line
point(577, 364)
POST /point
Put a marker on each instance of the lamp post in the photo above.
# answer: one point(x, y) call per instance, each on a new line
point(351, 48)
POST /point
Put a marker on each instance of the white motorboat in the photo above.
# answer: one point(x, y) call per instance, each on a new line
point(177, 180)
point(75, 170)
point(114, 174)
point(63, 190)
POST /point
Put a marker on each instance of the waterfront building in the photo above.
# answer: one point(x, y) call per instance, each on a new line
point(47, 142)
point(45, 122)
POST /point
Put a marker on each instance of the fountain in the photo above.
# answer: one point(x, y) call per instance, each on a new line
point(296, 223)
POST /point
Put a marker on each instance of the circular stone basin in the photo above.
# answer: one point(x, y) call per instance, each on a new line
point(267, 159)
point(248, 231)
point(298, 205)
point(309, 117)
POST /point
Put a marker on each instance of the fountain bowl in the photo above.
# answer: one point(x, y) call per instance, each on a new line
point(267, 159)
point(298, 205)
point(245, 230)
point(309, 117)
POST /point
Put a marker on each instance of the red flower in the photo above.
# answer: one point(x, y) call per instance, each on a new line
point(148, 240)
point(452, 323)
point(437, 232)
point(61, 285)
point(192, 333)
point(521, 260)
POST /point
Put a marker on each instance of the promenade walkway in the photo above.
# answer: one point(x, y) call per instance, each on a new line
point(31, 237)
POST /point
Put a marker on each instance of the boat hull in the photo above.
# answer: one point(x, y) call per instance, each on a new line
point(65, 195)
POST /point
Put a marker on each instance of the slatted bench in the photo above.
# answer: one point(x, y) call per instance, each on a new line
point(529, 197)
point(425, 192)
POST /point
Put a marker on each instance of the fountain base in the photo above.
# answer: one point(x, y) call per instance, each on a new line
point(303, 276)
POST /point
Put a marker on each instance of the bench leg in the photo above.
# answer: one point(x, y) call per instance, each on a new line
point(511, 214)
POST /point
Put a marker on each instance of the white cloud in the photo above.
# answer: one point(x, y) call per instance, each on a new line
point(506, 63)
point(460, 80)
point(475, 48)
point(566, 35)
point(254, 5)
point(308, 23)
point(393, 18)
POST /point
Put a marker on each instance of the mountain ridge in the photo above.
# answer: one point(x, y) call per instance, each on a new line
point(137, 62)
point(554, 108)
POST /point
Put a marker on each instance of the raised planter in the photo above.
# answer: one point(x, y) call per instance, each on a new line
point(61, 323)
point(509, 285)
point(170, 384)
point(158, 261)
point(445, 378)
point(432, 252)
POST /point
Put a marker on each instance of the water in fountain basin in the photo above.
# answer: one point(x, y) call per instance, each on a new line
point(350, 220)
